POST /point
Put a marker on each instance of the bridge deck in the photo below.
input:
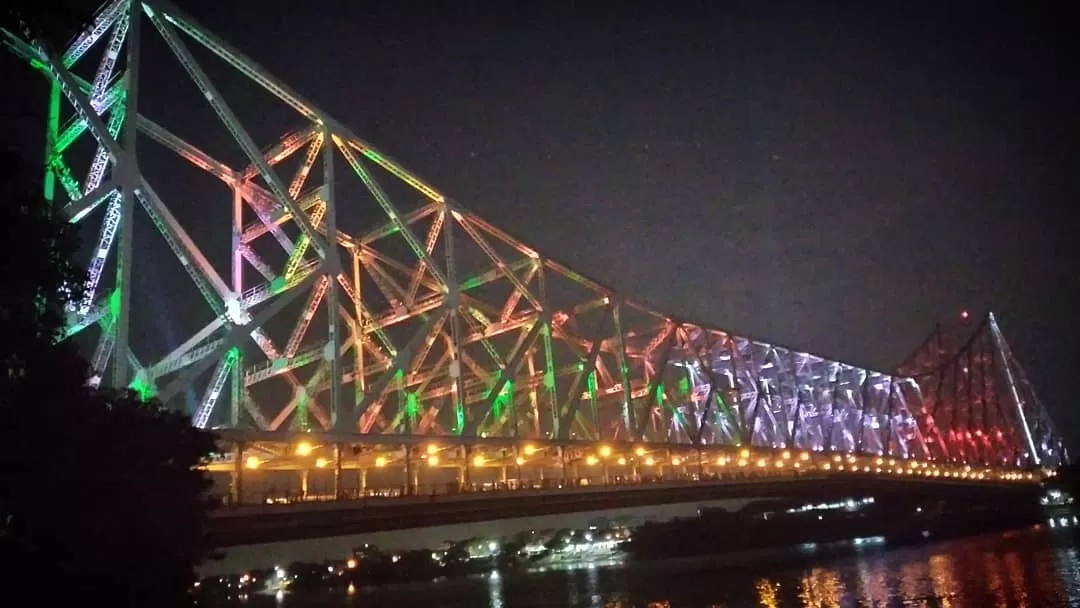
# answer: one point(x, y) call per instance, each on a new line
point(255, 524)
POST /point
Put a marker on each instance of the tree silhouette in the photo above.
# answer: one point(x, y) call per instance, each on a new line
point(101, 492)
point(1068, 479)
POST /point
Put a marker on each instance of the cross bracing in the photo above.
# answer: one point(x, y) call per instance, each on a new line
point(425, 319)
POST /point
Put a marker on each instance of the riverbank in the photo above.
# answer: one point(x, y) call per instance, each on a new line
point(778, 524)
point(769, 532)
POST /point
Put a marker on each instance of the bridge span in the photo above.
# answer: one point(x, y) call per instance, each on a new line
point(421, 320)
point(322, 467)
point(258, 524)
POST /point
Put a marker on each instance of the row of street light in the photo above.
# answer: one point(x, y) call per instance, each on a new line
point(743, 458)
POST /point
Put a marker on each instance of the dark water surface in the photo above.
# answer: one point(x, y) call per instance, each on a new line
point(1029, 569)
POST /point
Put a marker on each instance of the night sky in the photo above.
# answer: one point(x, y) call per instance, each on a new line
point(829, 178)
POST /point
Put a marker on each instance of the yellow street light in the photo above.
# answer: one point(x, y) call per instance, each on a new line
point(252, 462)
point(303, 449)
point(676, 461)
point(530, 449)
point(320, 463)
point(605, 451)
point(640, 451)
point(432, 460)
point(478, 460)
point(432, 449)
point(621, 461)
point(744, 453)
point(650, 461)
point(380, 461)
point(591, 460)
point(519, 461)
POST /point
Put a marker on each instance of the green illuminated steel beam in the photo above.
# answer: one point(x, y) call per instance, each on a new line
point(568, 410)
point(509, 372)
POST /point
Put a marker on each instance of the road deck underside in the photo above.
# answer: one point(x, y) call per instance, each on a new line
point(264, 524)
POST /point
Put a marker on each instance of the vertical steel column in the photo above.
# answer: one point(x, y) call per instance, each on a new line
point(983, 401)
point(237, 242)
point(457, 390)
point(332, 268)
point(953, 412)
point(889, 419)
point(52, 130)
point(128, 168)
point(969, 389)
point(236, 398)
point(624, 370)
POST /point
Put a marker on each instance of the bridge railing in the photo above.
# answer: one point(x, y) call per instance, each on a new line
point(912, 471)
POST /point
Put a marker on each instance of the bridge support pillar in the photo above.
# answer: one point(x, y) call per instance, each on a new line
point(361, 481)
point(408, 485)
point(337, 471)
point(562, 463)
point(464, 473)
point(304, 483)
point(236, 479)
point(502, 474)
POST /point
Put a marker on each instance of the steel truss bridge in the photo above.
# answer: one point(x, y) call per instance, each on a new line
point(431, 331)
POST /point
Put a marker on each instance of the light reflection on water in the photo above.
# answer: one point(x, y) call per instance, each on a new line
point(1021, 570)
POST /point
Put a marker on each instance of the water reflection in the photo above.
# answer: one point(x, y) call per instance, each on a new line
point(1029, 569)
point(495, 596)
point(942, 570)
point(873, 587)
point(913, 580)
point(768, 593)
point(994, 581)
point(1017, 582)
point(821, 587)
point(1067, 565)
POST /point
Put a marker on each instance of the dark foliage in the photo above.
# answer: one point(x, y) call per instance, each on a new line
point(100, 493)
point(1068, 479)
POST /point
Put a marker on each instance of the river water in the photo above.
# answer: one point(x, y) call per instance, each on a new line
point(1025, 569)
